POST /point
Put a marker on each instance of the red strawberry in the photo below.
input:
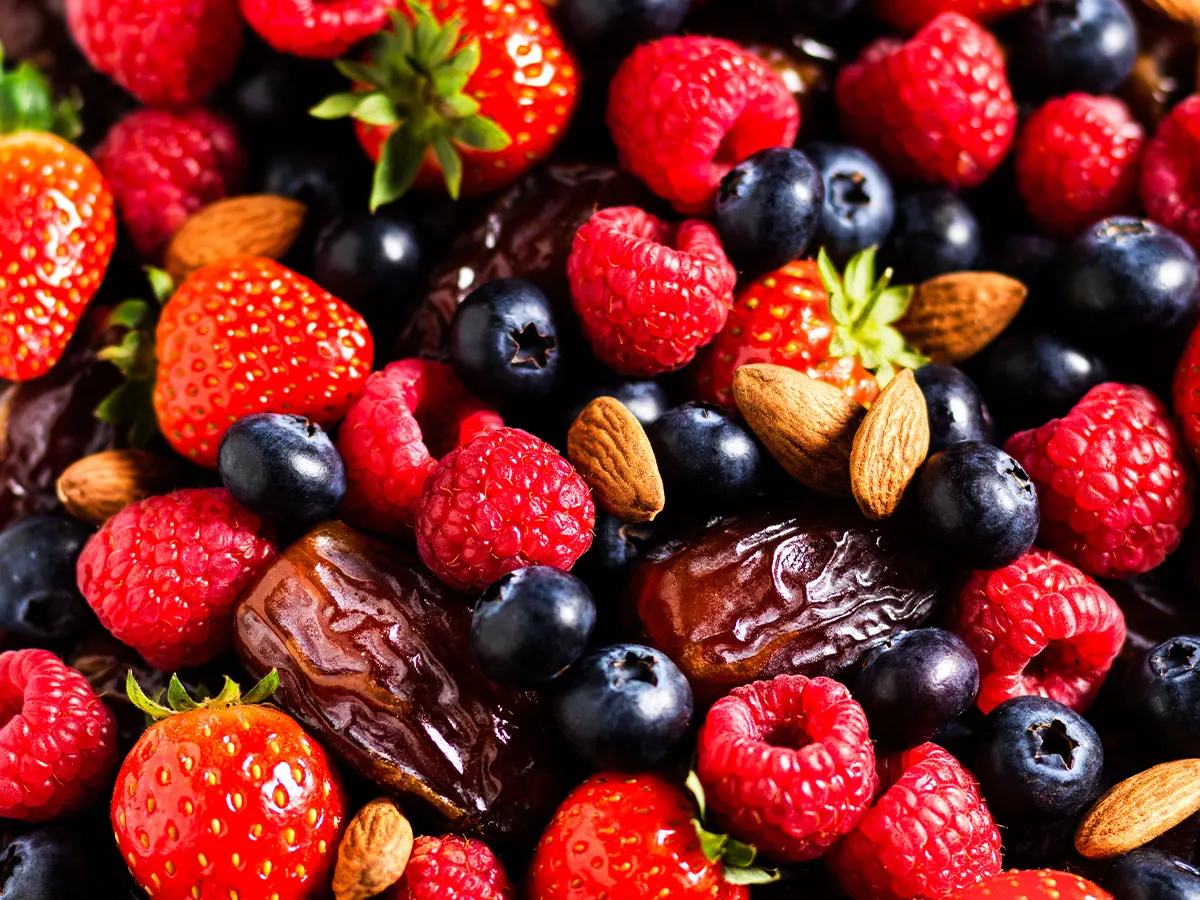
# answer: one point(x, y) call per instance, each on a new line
point(226, 799)
point(912, 14)
point(787, 318)
point(494, 87)
point(1042, 884)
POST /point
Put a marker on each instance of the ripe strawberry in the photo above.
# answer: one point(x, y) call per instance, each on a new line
point(57, 227)
point(1042, 884)
point(226, 799)
point(485, 94)
point(807, 317)
point(912, 14)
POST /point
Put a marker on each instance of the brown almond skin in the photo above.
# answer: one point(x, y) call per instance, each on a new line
point(1139, 809)
point(889, 447)
point(97, 487)
point(374, 851)
point(954, 316)
point(250, 225)
point(609, 447)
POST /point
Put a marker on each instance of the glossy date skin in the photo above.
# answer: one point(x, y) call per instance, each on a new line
point(373, 659)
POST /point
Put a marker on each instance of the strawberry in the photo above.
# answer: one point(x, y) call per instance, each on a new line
point(807, 317)
point(57, 226)
point(226, 799)
point(474, 93)
point(1040, 884)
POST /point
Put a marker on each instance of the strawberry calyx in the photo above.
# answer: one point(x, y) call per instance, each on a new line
point(864, 309)
point(27, 103)
point(179, 701)
point(413, 84)
point(736, 858)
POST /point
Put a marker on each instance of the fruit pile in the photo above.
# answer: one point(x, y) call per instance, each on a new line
point(599, 449)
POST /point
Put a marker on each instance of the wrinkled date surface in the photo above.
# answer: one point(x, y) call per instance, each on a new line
point(373, 658)
point(759, 595)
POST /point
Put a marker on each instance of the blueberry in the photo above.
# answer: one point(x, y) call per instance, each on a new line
point(644, 397)
point(617, 26)
point(1037, 759)
point(956, 409)
point(624, 708)
point(935, 232)
point(768, 208)
point(1162, 692)
point(1153, 875)
point(616, 546)
point(504, 342)
point(977, 502)
point(1061, 46)
point(859, 206)
point(1030, 379)
point(531, 624)
point(706, 458)
point(277, 93)
point(39, 599)
point(914, 684)
point(1124, 275)
point(323, 175)
point(1029, 258)
point(373, 262)
point(60, 862)
point(282, 467)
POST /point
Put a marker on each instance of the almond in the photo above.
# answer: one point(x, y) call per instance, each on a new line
point(889, 446)
point(99, 486)
point(1186, 11)
point(807, 425)
point(252, 225)
point(953, 317)
point(610, 449)
point(1139, 809)
point(374, 851)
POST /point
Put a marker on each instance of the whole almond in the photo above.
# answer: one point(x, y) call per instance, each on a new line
point(99, 486)
point(251, 225)
point(1186, 11)
point(953, 317)
point(807, 425)
point(1139, 809)
point(889, 446)
point(610, 449)
point(374, 851)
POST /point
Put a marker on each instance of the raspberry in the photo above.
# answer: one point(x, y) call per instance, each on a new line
point(648, 294)
point(58, 742)
point(163, 166)
point(683, 111)
point(502, 501)
point(929, 836)
point(316, 28)
point(786, 765)
point(936, 109)
point(410, 411)
point(1170, 183)
point(912, 14)
point(164, 574)
point(1111, 479)
point(167, 53)
point(1039, 627)
point(452, 868)
point(1077, 162)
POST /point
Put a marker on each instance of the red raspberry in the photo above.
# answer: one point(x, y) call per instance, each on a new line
point(407, 413)
point(1112, 481)
point(929, 836)
point(1039, 626)
point(58, 743)
point(452, 868)
point(1077, 162)
point(317, 28)
point(164, 574)
point(1186, 393)
point(935, 109)
point(502, 501)
point(648, 294)
point(683, 111)
point(167, 53)
point(787, 765)
point(1170, 185)
point(163, 166)
point(912, 14)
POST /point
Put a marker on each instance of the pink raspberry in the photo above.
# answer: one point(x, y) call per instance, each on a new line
point(1170, 184)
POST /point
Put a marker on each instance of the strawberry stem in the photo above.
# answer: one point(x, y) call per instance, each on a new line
point(27, 103)
point(179, 701)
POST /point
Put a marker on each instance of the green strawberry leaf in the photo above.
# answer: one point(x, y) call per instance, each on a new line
point(130, 314)
point(752, 875)
point(452, 76)
point(263, 690)
point(362, 73)
point(451, 163)
point(459, 106)
point(482, 133)
point(446, 41)
point(376, 108)
point(398, 166)
point(696, 789)
point(892, 303)
point(27, 103)
point(339, 106)
point(859, 279)
point(162, 285)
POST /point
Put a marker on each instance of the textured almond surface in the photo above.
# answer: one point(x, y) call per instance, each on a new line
point(610, 449)
point(1139, 809)
point(953, 317)
point(99, 486)
point(374, 851)
point(889, 447)
point(251, 225)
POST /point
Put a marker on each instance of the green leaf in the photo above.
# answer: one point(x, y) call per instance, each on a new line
point(339, 106)
point(426, 33)
point(871, 359)
point(129, 314)
point(460, 106)
point(231, 695)
point(162, 285)
point(177, 696)
point(481, 133)
point(696, 789)
point(153, 709)
point(452, 75)
point(892, 304)
point(711, 845)
point(377, 109)
point(66, 119)
point(264, 689)
point(829, 272)
point(841, 344)
point(751, 875)
point(125, 403)
point(738, 855)
point(397, 168)
point(361, 73)
point(451, 163)
point(910, 359)
point(447, 40)
point(859, 278)
point(144, 427)
point(884, 373)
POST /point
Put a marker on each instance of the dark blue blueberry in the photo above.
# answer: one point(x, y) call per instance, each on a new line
point(373, 262)
point(977, 502)
point(1162, 693)
point(1037, 759)
point(768, 208)
point(859, 206)
point(1153, 875)
point(935, 232)
point(504, 342)
point(39, 599)
point(617, 26)
point(624, 708)
point(323, 175)
point(1029, 379)
point(1029, 258)
point(706, 458)
point(61, 862)
point(1125, 275)
point(282, 467)
point(1061, 46)
point(956, 409)
point(616, 546)
point(915, 683)
point(278, 91)
point(531, 624)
